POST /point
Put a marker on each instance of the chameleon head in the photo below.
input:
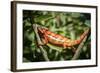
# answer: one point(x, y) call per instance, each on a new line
point(42, 29)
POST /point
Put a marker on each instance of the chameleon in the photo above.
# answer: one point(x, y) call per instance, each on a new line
point(59, 40)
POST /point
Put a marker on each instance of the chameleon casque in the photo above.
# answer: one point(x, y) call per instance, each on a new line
point(59, 40)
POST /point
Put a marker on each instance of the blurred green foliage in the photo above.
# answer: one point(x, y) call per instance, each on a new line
point(68, 24)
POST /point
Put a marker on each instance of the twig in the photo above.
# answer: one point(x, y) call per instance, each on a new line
point(79, 49)
point(37, 35)
point(40, 42)
point(44, 53)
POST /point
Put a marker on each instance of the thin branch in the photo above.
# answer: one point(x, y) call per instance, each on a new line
point(79, 49)
point(40, 42)
point(37, 35)
point(44, 53)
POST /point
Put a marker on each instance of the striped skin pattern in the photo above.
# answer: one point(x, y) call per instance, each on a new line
point(60, 40)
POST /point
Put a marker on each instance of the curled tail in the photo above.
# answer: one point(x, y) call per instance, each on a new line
point(78, 41)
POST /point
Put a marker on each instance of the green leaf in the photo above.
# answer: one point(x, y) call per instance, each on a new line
point(31, 36)
point(88, 22)
point(55, 47)
point(75, 14)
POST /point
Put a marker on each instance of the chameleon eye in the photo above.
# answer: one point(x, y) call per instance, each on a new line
point(49, 33)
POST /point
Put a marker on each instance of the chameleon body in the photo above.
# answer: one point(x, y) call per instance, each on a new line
point(59, 40)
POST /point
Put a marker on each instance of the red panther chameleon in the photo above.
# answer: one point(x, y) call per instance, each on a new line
point(59, 40)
